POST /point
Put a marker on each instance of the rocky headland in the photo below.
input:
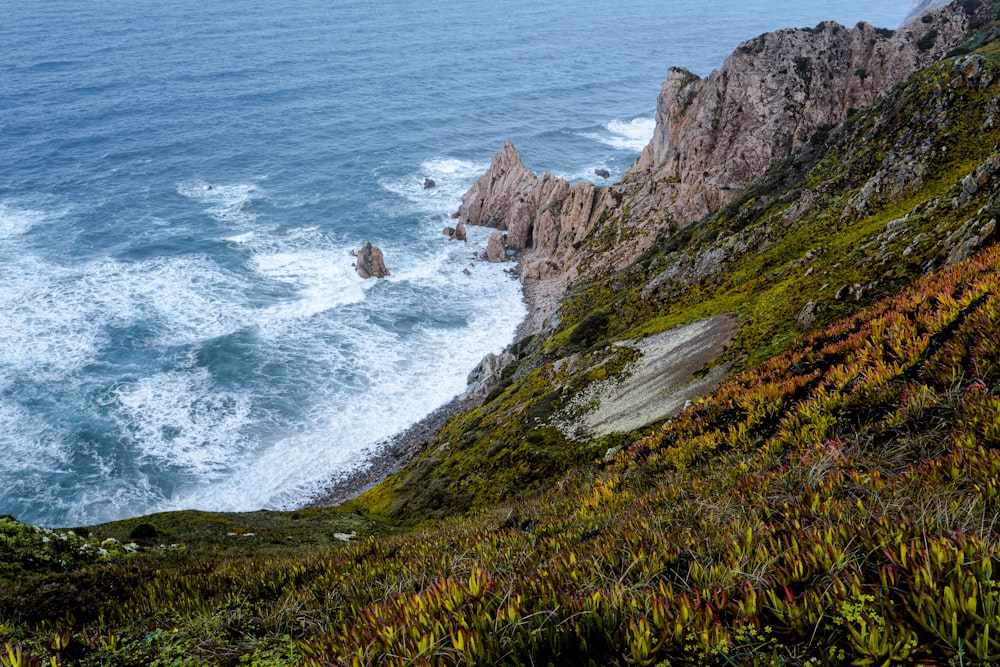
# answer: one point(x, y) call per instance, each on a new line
point(713, 137)
point(753, 417)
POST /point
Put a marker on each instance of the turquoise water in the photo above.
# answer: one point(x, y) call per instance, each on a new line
point(180, 186)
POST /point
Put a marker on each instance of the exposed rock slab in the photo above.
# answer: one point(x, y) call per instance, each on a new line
point(486, 375)
point(659, 384)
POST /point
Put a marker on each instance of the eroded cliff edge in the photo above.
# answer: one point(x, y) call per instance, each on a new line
point(714, 136)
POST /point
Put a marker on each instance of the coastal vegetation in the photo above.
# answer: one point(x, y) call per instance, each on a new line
point(833, 502)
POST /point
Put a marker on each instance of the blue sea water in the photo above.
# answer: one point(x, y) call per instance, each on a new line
point(180, 186)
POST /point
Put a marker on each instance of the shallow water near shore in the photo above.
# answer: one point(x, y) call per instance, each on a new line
point(181, 184)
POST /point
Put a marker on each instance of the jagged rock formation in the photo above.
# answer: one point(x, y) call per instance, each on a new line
point(713, 138)
point(546, 215)
point(371, 262)
point(715, 135)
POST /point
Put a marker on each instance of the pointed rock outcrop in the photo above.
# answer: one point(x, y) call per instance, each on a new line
point(488, 202)
point(715, 135)
point(543, 214)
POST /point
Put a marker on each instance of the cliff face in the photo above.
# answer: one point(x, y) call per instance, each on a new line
point(713, 138)
point(715, 135)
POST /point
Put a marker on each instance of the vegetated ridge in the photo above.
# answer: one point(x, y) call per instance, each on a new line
point(832, 502)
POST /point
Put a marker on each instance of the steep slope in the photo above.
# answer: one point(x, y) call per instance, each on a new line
point(903, 188)
point(836, 506)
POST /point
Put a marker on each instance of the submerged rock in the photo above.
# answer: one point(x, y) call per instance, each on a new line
point(429, 183)
point(603, 173)
point(371, 263)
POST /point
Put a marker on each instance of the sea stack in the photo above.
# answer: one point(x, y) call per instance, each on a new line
point(371, 263)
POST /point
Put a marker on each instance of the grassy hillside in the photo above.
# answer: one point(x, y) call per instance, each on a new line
point(835, 502)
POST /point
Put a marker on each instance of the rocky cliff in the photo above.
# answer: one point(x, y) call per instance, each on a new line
point(714, 136)
point(544, 215)
point(921, 6)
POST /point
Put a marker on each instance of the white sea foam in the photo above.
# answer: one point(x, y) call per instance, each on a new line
point(186, 299)
point(245, 237)
point(399, 380)
point(43, 332)
point(181, 420)
point(15, 220)
point(323, 279)
point(627, 135)
point(28, 443)
point(56, 320)
point(373, 370)
point(452, 178)
point(229, 204)
point(589, 174)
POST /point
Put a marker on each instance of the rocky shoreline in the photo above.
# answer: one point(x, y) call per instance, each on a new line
point(542, 298)
point(389, 456)
point(821, 74)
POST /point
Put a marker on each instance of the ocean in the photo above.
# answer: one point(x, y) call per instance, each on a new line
point(181, 184)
